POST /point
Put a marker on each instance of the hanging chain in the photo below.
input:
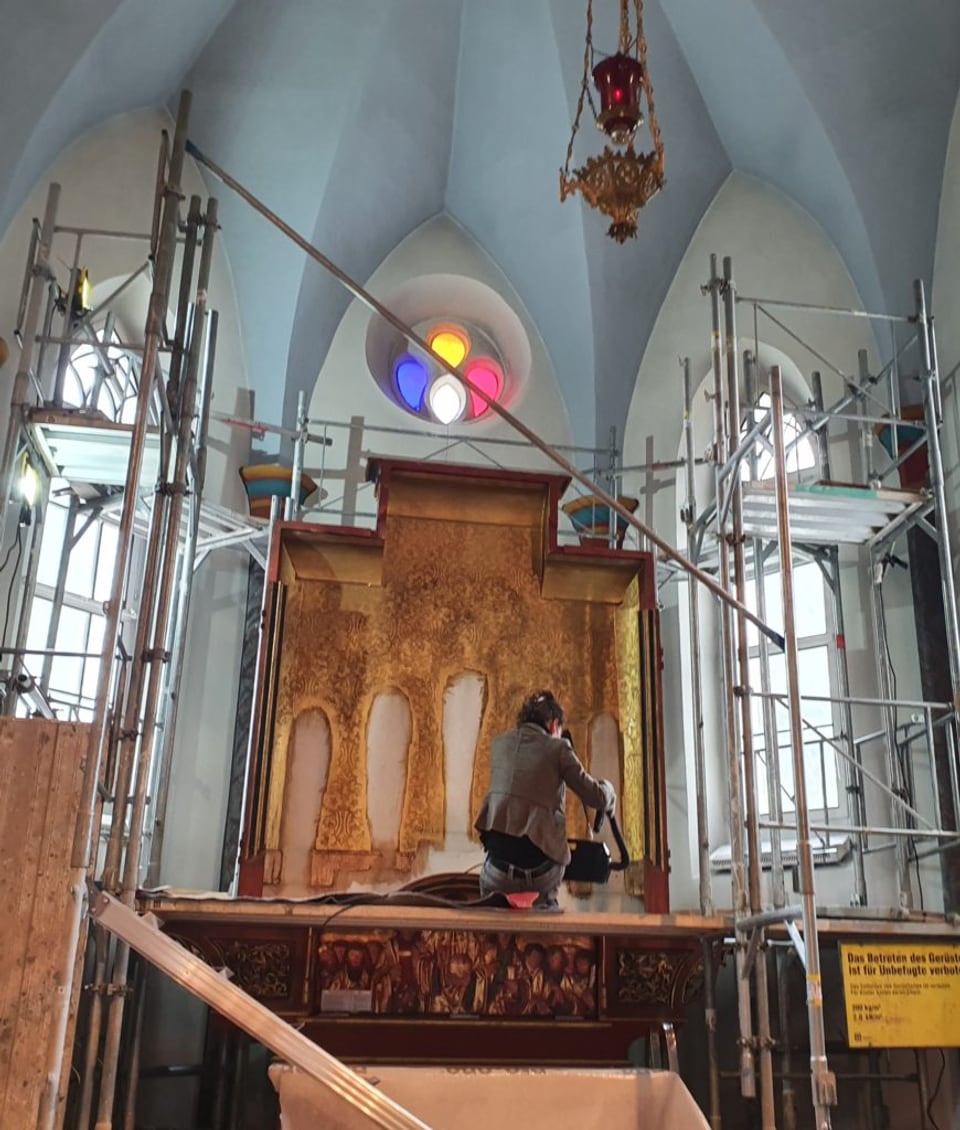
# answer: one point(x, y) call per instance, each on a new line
point(625, 44)
point(624, 47)
point(647, 85)
point(587, 56)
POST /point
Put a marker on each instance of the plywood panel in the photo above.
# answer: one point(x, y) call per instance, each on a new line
point(40, 772)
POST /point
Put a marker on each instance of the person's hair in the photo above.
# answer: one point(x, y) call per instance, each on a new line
point(541, 708)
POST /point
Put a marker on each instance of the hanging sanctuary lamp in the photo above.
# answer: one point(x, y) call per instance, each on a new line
point(620, 181)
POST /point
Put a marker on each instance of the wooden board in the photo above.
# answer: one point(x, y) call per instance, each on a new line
point(41, 766)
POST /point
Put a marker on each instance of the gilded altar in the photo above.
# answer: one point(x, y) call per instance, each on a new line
point(461, 584)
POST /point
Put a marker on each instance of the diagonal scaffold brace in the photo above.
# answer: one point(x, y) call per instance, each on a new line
point(514, 422)
point(142, 934)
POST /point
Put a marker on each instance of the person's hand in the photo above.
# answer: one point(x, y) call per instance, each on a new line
point(609, 798)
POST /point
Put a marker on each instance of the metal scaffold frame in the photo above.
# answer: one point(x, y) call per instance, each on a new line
point(736, 524)
point(163, 533)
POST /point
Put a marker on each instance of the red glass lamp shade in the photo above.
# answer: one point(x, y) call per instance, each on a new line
point(619, 81)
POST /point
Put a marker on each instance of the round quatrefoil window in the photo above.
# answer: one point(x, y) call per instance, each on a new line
point(424, 386)
point(467, 325)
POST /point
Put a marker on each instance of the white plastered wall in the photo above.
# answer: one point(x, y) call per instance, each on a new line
point(107, 180)
point(778, 251)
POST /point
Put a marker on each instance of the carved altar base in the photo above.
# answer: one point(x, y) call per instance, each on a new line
point(385, 983)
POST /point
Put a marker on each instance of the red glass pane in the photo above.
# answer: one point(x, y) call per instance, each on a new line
point(486, 375)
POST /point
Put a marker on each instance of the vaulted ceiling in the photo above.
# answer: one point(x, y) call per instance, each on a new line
point(357, 120)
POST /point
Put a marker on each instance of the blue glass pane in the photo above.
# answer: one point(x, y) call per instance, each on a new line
point(411, 377)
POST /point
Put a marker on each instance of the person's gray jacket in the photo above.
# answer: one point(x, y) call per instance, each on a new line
point(529, 772)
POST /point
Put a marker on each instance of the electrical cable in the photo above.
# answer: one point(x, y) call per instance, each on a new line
point(18, 545)
point(9, 551)
point(936, 1090)
point(346, 901)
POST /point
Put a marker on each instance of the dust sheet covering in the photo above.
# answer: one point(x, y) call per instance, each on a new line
point(494, 1098)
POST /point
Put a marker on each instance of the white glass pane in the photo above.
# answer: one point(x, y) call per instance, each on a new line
point(84, 363)
point(786, 778)
point(105, 562)
point(73, 390)
point(40, 612)
point(128, 410)
point(800, 455)
point(809, 602)
point(813, 665)
point(814, 673)
point(774, 601)
point(763, 798)
point(107, 399)
point(820, 776)
point(91, 667)
point(51, 543)
point(750, 600)
point(756, 703)
point(81, 566)
point(66, 672)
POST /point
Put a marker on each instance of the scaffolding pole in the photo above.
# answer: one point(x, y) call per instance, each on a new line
point(852, 775)
point(150, 670)
point(771, 742)
point(748, 1080)
point(742, 679)
point(822, 1081)
point(88, 808)
point(895, 774)
point(38, 275)
point(696, 675)
point(932, 410)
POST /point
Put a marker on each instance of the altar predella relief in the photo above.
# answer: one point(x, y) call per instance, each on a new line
point(451, 973)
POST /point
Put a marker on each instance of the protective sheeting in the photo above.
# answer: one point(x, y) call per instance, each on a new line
point(478, 1098)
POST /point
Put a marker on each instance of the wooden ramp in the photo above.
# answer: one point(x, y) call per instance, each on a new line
point(348, 1094)
point(41, 765)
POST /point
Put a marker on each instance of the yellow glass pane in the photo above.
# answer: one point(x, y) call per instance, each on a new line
point(449, 345)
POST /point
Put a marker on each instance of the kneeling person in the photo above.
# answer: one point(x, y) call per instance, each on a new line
point(523, 823)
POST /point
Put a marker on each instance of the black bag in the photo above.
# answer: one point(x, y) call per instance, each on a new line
point(590, 860)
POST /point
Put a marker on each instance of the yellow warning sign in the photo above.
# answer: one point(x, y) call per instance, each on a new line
point(902, 996)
